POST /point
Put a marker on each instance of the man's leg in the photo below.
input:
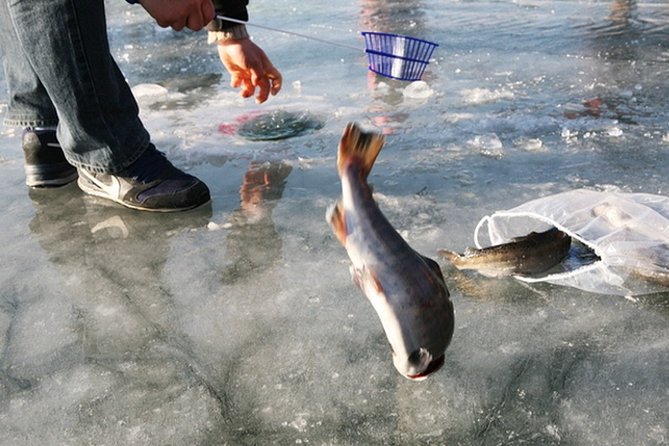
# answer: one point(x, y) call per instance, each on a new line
point(65, 44)
point(31, 108)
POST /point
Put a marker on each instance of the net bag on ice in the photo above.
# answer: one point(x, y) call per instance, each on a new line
point(628, 233)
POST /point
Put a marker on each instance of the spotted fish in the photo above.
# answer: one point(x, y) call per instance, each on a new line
point(530, 254)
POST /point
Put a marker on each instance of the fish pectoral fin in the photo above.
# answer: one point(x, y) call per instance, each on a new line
point(374, 281)
point(364, 278)
point(356, 276)
point(335, 216)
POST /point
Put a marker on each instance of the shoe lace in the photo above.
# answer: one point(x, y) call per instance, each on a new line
point(149, 166)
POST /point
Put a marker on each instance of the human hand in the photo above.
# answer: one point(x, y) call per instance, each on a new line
point(192, 14)
point(249, 68)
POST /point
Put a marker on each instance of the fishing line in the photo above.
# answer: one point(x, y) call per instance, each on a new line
point(390, 55)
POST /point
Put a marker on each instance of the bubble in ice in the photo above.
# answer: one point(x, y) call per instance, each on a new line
point(615, 131)
point(530, 144)
point(418, 90)
point(149, 90)
point(383, 87)
point(568, 135)
point(489, 145)
point(278, 124)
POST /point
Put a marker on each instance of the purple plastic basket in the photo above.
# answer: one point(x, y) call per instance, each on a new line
point(397, 56)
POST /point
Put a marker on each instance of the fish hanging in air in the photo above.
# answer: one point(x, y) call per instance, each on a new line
point(406, 289)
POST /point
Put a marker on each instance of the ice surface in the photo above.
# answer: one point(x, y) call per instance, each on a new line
point(476, 96)
point(238, 323)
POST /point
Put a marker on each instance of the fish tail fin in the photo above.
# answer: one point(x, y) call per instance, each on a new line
point(335, 216)
point(358, 146)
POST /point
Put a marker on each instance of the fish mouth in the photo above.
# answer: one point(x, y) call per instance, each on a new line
point(431, 368)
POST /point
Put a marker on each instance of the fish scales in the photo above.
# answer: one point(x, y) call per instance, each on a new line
point(406, 289)
point(530, 254)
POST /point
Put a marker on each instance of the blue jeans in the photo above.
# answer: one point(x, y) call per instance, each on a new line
point(61, 73)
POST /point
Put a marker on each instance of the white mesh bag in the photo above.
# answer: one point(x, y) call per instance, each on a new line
point(628, 231)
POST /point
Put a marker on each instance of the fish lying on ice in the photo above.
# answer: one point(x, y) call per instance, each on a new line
point(527, 255)
point(659, 275)
point(406, 289)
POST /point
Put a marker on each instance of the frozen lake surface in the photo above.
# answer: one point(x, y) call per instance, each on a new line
point(239, 324)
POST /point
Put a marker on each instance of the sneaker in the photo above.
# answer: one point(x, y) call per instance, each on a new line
point(151, 183)
point(45, 163)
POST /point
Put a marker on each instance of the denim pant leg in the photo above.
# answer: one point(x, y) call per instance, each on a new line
point(29, 103)
point(57, 57)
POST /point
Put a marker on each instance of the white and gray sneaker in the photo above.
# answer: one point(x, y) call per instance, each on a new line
point(151, 183)
point(45, 164)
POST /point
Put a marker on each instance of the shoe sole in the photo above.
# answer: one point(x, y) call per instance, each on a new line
point(90, 187)
point(50, 175)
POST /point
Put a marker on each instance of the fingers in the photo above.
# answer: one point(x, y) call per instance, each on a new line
point(250, 80)
point(195, 22)
point(248, 89)
point(238, 80)
point(258, 79)
point(268, 82)
point(275, 76)
point(263, 90)
point(235, 80)
point(193, 14)
point(208, 12)
point(196, 17)
point(250, 69)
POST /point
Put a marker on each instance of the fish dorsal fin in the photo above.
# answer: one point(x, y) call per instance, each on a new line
point(356, 144)
point(469, 251)
point(434, 266)
point(537, 236)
